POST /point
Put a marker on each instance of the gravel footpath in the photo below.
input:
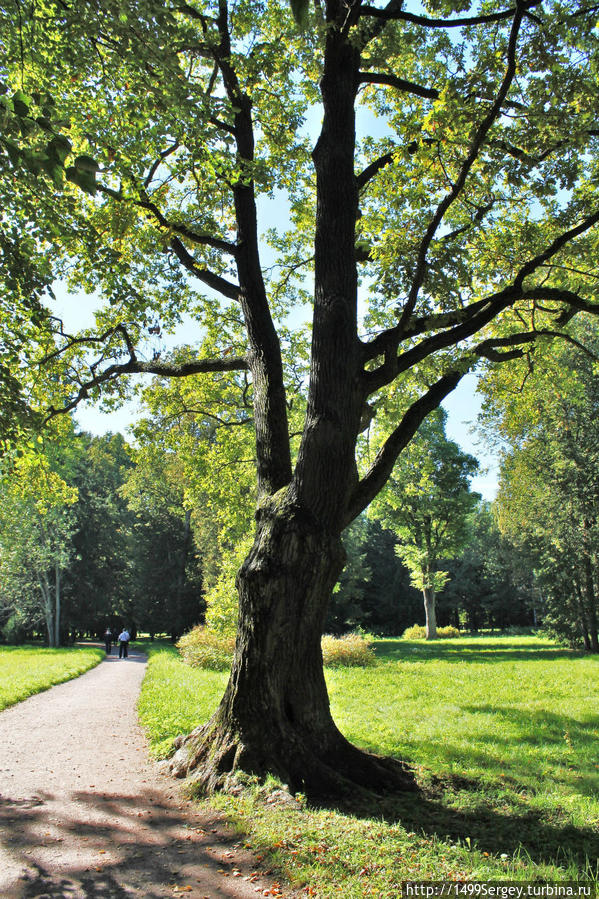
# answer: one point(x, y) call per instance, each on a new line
point(85, 813)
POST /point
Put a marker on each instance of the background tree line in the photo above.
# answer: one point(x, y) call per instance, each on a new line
point(152, 535)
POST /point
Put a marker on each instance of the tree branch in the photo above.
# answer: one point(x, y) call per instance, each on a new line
point(461, 324)
point(490, 349)
point(216, 282)
point(194, 236)
point(380, 470)
point(375, 167)
point(394, 12)
point(429, 93)
point(162, 369)
point(475, 146)
point(558, 244)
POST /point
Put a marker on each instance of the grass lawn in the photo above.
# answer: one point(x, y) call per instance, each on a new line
point(25, 670)
point(504, 734)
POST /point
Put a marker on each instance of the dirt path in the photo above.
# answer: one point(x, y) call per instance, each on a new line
point(84, 812)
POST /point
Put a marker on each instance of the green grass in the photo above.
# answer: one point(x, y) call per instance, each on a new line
point(504, 734)
point(175, 697)
point(25, 670)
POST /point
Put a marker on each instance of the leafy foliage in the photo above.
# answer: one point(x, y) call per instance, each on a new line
point(548, 500)
point(204, 648)
point(347, 651)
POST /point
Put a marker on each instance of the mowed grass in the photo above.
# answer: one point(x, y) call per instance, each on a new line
point(25, 670)
point(504, 736)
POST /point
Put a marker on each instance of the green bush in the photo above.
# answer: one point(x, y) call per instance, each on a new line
point(346, 651)
point(418, 632)
point(448, 632)
point(16, 630)
point(203, 648)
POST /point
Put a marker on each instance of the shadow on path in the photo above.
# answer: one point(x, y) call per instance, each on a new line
point(119, 846)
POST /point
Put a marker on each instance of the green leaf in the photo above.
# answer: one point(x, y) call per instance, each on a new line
point(55, 172)
point(85, 180)
point(300, 9)
point(86, 164)
point(22, 103)
point(59, 148)
point(44, 123)
point(14, 153)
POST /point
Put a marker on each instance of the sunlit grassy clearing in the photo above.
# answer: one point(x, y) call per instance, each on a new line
point(518, 713)
point(25, 670)
point(504, 733)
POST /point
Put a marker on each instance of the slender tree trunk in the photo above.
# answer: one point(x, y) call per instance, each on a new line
point(591, 599)
point(584, 627)
point(47, 606)
point(57, 587)
point(430, 613)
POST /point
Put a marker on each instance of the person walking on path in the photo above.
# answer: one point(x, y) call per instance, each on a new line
point(124, 643)
point(108, 640)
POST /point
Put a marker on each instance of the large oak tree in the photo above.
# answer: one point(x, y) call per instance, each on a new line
point(441, 156)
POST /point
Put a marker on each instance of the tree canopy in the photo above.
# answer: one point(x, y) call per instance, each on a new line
point(437, 165)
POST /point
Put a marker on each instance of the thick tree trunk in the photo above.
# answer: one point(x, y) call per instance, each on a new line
point(275, 716)
point(430, 613)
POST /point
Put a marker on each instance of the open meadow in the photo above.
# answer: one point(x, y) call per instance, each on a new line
point(25, 670)
point(503, 733)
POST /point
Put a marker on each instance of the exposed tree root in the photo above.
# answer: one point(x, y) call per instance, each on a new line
point(212, 759)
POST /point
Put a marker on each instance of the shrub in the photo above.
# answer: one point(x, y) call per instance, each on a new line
point(349, 650)
point(448, 632)
point(418, 632)
point(203, 648)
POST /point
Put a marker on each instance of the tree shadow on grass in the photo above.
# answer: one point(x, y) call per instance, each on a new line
point(530, 832)
point(520, 743)
point(418, 650)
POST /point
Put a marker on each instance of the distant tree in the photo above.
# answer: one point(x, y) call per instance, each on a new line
point(374, 590)
point(36, 530)
point(166, 570)
point(491, 581)
point(426, 503)
point(548, 501)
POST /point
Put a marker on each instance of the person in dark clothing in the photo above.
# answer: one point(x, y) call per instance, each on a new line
point(124, 643)
point(108, 640)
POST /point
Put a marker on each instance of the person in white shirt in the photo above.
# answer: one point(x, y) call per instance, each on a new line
point(124, 643)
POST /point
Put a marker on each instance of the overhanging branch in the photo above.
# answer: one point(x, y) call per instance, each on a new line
point(394, 12)
point(429, 93)
point(162, 369)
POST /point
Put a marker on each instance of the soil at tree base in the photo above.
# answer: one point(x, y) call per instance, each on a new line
point(85, 813)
